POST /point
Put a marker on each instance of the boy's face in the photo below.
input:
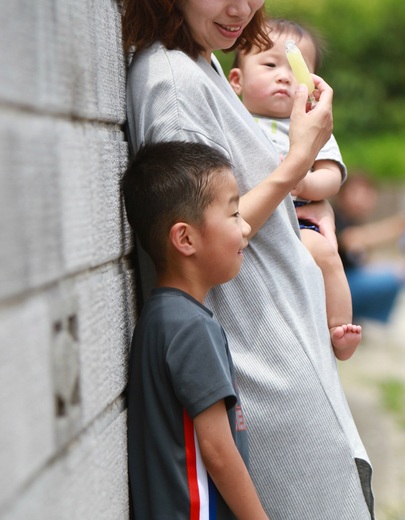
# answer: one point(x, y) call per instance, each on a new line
point(223, 236)
point(265, 79)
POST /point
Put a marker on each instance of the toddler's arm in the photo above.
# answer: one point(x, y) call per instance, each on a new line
point(321, 214)
point(225, 464)
point(309, 131)
point(322, 182)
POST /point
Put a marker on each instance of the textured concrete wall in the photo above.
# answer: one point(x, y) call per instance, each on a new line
point(66, 295)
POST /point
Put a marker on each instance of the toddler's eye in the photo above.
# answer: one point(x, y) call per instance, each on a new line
point(271, 65)
point(237, 214)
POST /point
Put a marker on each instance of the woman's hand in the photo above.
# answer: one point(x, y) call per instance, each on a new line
point(310, 130)
point(321, 214)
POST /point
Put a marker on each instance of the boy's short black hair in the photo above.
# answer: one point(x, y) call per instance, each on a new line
point(297, 31)
point(169, 182)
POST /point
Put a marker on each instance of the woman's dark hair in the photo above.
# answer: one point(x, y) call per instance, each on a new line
point(147, 21)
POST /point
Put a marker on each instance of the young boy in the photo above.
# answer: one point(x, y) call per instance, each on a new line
point(266, 84)
point(187, 440)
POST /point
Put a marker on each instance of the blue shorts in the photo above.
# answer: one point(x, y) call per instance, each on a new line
point(374, 292)
point(305, 224)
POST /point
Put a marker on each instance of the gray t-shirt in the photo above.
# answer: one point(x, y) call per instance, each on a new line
point(180, 366)
point(302, 438)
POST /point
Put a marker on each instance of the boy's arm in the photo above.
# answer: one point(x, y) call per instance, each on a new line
point(225, 464)
point(322, 182)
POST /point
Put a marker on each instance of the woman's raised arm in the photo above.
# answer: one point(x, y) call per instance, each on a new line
point(309, 131)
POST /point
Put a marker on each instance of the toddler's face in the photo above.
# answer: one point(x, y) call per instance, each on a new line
point(265, 79)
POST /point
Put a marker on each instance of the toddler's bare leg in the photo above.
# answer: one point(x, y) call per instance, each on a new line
point(345, 336)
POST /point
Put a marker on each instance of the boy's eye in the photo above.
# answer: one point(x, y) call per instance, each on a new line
point(237, 214)
point(271, 65)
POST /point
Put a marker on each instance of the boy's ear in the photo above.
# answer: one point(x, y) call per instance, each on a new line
point(235, 79)
point(182, 237)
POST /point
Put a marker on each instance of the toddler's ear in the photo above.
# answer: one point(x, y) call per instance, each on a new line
point(235, 79)
point(182, 238)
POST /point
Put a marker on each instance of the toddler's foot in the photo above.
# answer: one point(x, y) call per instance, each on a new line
point(345, 339)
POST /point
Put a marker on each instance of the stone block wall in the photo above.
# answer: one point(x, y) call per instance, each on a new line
point(66, 288)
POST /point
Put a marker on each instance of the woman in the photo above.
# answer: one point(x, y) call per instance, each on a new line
point(307, 460)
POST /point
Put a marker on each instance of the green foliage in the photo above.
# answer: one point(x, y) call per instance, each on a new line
point(366, 68)
point(393, 397)
point(365, 65)
point(381, 155)
point(226, 60)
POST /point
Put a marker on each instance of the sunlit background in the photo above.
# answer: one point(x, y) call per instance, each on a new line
point(66, 282)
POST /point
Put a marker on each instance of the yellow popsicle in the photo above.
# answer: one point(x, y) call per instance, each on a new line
point(298, 65)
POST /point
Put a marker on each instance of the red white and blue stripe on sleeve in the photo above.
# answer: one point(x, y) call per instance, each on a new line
point(203, 493)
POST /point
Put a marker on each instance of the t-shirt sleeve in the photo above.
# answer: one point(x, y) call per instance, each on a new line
point(199, 367)
point(331, 151)
point(170, 80)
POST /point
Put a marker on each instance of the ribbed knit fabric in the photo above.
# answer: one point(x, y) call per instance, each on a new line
point(303, 441)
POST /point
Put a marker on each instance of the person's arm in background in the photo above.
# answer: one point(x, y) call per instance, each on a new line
point(361, 237)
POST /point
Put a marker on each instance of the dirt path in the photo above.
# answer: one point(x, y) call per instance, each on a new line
point(378, 363)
